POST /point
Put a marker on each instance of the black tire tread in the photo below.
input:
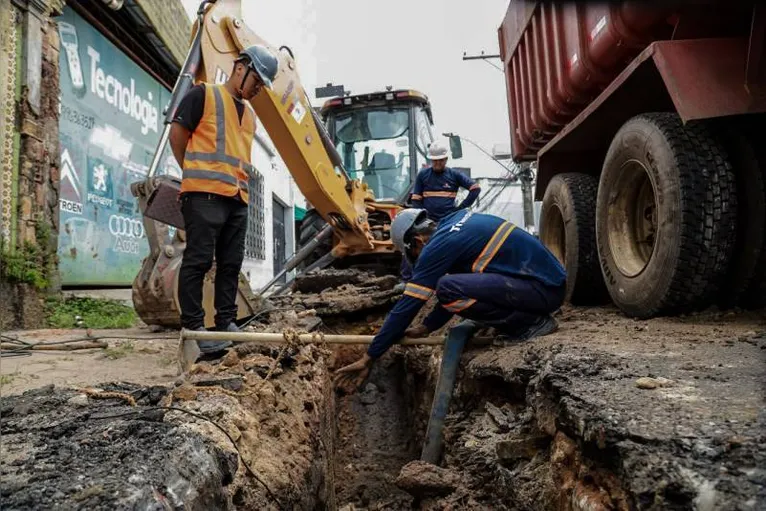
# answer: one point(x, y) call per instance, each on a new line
point(708, 214)
point(589, 288)
point(745, 266)
point(754, 296)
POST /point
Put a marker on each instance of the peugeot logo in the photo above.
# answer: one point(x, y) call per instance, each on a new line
point(125, 226)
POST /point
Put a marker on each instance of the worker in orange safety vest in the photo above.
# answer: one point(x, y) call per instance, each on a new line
point(211, 137)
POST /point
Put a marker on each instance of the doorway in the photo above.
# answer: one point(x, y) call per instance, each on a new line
point(280, 241)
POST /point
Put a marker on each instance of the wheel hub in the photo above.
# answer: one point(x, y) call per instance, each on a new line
point(632, 219)
point(554, 235)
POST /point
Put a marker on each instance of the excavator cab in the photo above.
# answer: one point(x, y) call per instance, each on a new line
point(382, 139)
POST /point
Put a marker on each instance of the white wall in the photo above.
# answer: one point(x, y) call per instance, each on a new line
point(278, 183)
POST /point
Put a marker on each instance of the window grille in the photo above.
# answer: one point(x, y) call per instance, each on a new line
point(255, 238)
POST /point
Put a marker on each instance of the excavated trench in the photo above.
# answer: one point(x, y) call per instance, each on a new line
point(609, 413)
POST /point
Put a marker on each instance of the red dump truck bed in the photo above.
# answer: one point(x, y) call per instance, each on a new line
point(559, 56)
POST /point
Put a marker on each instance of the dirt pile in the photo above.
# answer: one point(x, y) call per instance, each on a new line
point(569, 421)
point(333, 292)
point(65, 447)
point(61, 450)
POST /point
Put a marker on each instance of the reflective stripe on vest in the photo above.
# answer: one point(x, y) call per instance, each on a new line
point(217, 158)
point(492, 246)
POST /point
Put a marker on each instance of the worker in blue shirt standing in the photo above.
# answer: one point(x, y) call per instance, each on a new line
point(481, 268)
point(435, 191)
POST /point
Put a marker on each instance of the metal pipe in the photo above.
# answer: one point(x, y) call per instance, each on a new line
point(453, 349)
point(299, 256)
point(181, 87)
point(267, 337)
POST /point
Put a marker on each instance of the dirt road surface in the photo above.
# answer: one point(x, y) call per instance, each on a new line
point(606, 413)
point(135, 355)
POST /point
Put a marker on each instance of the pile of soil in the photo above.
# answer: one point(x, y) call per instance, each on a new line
point(611, 413)
point(333, 292)
point(65, 447)
point(60, 450)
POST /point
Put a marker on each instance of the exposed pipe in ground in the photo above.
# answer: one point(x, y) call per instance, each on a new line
point(453, 349)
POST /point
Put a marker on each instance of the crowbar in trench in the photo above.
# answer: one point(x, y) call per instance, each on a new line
point(188, 351)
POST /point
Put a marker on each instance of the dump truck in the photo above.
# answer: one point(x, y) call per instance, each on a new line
point(354, 222)
point(645, 120)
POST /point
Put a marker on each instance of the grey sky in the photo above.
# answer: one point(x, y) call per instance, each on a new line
point(367, 45)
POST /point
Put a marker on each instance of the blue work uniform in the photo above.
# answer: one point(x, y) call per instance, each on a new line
point(436, 191)
point(483, 268)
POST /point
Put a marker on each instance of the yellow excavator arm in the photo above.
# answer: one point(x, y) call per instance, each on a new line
point(292, 124)
point(218, 35)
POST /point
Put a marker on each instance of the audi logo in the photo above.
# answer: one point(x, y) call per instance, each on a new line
point(125, 226)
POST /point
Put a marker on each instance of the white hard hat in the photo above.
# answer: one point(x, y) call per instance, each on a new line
point(436, 151)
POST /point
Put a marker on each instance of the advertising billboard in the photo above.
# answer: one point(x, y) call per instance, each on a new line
point(110, 119)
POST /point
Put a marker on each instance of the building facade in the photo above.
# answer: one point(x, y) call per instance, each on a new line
point(84, 88)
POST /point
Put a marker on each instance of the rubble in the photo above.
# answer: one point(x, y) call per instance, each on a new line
point(70, 455)
point(606, 413)
point(583, 435)
point(422, 479)
point(341, 292)
point(63, 448)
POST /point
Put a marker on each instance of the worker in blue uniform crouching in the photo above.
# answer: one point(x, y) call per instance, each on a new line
point(481, 268)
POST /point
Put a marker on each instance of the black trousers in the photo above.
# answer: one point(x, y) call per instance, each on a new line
point(215, 227)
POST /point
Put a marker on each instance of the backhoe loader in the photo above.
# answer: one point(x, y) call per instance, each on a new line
point(380, 137)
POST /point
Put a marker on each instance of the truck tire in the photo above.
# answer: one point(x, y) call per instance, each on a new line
point(568, 229)
point(311, 225)
point(665, 216)
point(744, 279)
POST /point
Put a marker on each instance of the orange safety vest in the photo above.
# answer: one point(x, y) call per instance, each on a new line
point(217, 158)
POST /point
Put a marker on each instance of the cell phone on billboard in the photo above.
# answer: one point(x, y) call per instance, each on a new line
point(68, 35)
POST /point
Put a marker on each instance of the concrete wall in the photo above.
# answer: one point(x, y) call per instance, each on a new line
point(279, 185)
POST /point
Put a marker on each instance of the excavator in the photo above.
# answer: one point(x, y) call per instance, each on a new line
point(355, 161)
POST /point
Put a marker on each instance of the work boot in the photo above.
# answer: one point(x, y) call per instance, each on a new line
point(211, 347)
point(543, 326)
point(231, 327)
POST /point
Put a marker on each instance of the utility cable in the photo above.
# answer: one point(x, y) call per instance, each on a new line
point(25, 348)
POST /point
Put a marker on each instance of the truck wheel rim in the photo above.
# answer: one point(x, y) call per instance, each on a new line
point(632, 219)
point(554, 235)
